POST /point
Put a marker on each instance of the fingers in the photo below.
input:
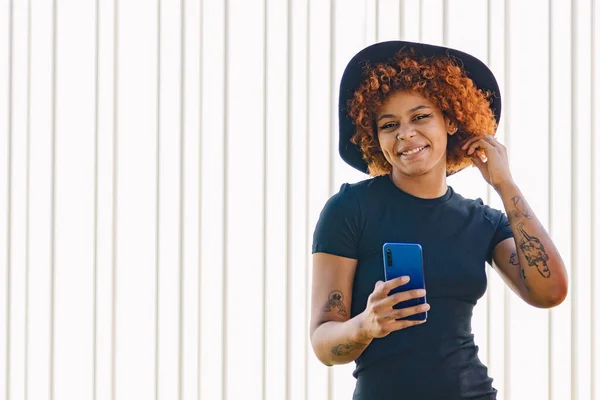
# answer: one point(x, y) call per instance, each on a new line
point(396, 298)
point(382, 289)
point(485, 142)
point(408, 311)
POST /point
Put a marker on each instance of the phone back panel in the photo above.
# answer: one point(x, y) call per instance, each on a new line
point(405, 259)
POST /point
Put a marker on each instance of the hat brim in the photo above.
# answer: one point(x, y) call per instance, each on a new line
point(384, 52)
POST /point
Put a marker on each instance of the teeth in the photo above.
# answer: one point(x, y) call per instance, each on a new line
point(413, 151)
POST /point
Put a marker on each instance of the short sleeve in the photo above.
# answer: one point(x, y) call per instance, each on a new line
point(502, 230)
point(337, 229)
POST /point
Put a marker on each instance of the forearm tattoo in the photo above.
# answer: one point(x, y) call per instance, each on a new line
point(534, 251)
point(522, 206)
point(513, 214)
point(346, 348)
point(514, 260)
point(336, 300)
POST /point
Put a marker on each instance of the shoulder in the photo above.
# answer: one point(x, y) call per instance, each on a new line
point(478, 207)
point(356, 192)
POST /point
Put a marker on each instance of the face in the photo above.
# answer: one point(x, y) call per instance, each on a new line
point(413, 134)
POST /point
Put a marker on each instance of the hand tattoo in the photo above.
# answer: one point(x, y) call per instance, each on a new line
point(347, 348)
point(336, 300)
point(522, 206)
point(534, 252)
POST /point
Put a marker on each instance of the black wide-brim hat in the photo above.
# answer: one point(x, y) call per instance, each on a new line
point(384, 52)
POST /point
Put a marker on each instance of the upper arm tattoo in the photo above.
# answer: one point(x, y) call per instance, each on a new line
point(534, 251)
point(336, 300)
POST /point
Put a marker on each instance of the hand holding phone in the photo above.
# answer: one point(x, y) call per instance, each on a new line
point(405, 259)
point(380, 318)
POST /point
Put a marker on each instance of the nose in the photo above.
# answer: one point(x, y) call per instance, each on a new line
point(406, 132)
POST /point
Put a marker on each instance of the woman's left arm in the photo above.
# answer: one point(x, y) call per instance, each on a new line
point(529, 262)
point(530, 257)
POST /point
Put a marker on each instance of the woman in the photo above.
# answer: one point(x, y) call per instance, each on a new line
point(410, 115)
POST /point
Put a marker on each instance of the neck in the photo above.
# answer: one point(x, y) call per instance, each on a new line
point(427, 186)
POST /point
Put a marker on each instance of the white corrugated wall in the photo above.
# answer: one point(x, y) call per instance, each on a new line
point(163, 164)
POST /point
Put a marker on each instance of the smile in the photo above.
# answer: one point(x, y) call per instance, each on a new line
point(413, 152)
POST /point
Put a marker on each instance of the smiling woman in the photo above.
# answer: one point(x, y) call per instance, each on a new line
point(410, 115)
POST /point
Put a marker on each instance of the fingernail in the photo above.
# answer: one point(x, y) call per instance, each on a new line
point(405, 278)
point(421, 292)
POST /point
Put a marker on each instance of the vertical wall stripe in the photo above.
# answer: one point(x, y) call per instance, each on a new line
point(28, 158)
point(593, 138)
point(200, 197)
point(421, 20)
point(288, 216)
point(401, 19)
point(489, 199)
point(574, 268)
point(445, 23)
point(507, 143)
point(53, 199)
point(113, 359)
point(265, 179)
point(377, 20)
point(181, 197)
point(332, 103)
point(307, 192)
point(157, 217)
point(225, 191)
point(332, 134)
point(550, 187)
point(8, 196)
point(95, 249)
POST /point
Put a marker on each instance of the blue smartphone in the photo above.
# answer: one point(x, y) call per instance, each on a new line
point(405, 259)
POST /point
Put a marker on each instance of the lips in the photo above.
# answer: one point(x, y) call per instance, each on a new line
point(408, 151)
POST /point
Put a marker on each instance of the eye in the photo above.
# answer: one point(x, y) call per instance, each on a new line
point(388, 125)
point(422, 116)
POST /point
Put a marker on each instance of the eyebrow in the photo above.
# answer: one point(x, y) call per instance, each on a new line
point(409, 111)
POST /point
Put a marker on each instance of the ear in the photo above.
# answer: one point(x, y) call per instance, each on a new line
point(451, 126)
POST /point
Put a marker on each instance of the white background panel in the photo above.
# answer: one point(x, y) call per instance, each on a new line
point(74, 186)
point(319, 158)
point(136, 204)
point(40, 263)
point(106, 185)
point(581, 196)
point(169, 192)
point(18, 217)
point(245, 156)
point(212, 282)
point(196, 144)
point(5, 101)
point(191, 198)
point(277, 169)
point(559, 198)
point(528, 145)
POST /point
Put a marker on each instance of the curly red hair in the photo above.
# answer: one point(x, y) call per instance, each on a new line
point(442, 82)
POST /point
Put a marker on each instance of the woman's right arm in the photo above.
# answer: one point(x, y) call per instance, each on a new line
point(335, 337)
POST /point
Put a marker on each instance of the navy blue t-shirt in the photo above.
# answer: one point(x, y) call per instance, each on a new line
point(437, 359)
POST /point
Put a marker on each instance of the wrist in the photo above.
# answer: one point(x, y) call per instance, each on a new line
point(360, 333)
point(504, 186)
